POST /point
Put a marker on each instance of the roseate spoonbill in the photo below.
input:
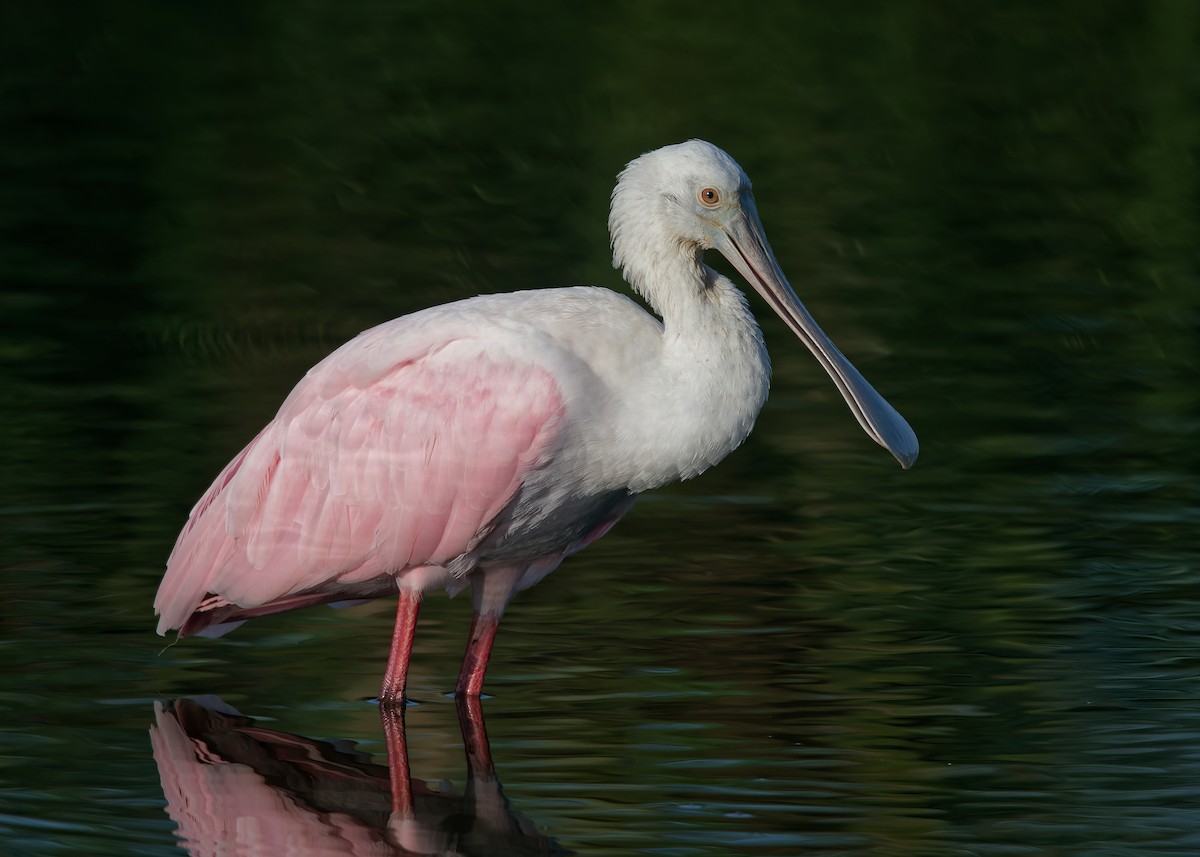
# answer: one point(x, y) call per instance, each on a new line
point(481, 442)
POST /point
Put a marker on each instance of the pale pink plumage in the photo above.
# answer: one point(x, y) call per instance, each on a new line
point(371, 468)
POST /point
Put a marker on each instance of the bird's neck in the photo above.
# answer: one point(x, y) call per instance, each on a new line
point(699, 307)
point(713, 376)
point(708, 328)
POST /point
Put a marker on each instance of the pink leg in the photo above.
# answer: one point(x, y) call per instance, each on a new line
point(392, 692)
point(483, 634)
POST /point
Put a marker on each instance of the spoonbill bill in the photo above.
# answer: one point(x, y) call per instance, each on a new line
point(479, 443)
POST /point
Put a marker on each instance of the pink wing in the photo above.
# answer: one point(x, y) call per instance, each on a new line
point(373, 465)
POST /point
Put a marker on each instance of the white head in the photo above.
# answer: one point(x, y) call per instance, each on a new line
point(672, 204)
point(673, 198)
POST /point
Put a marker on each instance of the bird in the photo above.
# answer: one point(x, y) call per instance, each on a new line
point(479, 443)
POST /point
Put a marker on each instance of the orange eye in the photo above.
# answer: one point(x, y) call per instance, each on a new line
point(709, 196)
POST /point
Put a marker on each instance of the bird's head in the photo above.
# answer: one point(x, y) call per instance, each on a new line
point(680, 197)
point(672, 204)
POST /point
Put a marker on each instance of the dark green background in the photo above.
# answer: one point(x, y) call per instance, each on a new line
point(993, 209)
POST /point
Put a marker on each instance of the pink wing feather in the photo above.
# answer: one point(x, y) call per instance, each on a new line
point(372, 466)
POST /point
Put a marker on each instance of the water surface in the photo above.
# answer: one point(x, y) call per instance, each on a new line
point(807, 650)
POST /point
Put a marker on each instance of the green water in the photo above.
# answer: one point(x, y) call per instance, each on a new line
point(993, 211)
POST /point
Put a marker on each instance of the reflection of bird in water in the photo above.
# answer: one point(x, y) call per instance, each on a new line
point(481, 442)
point(234, 788)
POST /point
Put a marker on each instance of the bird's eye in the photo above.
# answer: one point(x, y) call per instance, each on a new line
point(709, 196)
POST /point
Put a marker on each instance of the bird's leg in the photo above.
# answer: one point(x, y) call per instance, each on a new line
point(394, 680)
point(491, 590)
point(479, 649)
